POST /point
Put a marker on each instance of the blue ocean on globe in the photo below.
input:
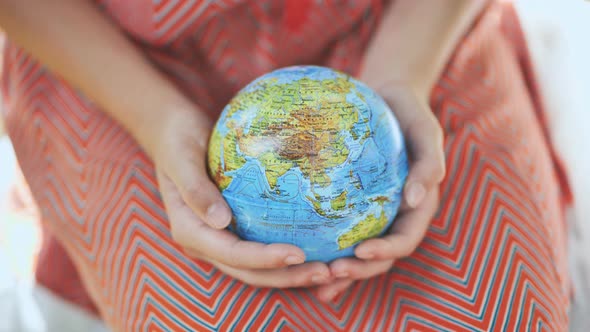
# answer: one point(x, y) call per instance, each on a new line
point(309, 156)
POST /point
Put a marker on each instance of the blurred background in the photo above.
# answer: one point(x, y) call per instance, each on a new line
point(557, 32)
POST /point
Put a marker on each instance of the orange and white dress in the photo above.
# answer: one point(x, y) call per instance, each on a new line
point(494, 258)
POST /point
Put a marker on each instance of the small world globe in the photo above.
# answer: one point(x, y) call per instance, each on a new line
point(309, 156)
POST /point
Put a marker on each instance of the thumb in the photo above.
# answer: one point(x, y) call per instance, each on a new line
point(183, 161)
point(200, 194)
point(424, 139)
point(427, 167)
point(180, 148)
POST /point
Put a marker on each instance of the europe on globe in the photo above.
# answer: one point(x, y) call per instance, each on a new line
point(309, 156)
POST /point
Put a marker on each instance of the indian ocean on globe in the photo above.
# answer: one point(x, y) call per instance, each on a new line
point(311, 157)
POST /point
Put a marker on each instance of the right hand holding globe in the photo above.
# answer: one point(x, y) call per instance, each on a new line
point(427, 169)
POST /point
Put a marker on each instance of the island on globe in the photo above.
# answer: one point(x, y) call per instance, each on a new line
point(309, 156)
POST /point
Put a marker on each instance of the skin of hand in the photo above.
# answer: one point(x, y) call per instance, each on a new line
point(403, 62)
point(172, 131)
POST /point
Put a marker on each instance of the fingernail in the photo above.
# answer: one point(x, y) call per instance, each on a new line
point(293, 260)
point(218, 215)
point(319, 279)
point(415, 194)
point(342, 274)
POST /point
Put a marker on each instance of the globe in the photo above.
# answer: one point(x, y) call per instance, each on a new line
point(309, 156)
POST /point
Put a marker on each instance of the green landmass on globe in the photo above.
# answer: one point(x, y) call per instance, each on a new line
point(309, 156)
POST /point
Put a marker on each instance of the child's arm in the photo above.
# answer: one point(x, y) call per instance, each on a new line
point(73, 39)
point(416, 39)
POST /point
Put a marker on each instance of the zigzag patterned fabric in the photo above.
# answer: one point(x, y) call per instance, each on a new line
point(493, 260)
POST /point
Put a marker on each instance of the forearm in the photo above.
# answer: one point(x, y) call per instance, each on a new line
point(75, 40)
point(416, 39)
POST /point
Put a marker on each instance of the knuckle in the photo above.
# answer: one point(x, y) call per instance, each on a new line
point(192, 253)
point(194, 193)
point(355, 274)
point(175, 233)
point(270, 281)
point(280, 283)
point(432, 170)
point(389, 254)
point(437, 131)
point(301, 280)
point(280, 280)
point(366, 275)
point(442, 174)
point(249, 280)
point(439, 172)
point(407, 250)
point(386, 267)
point(269, 258)
point(178, 236)
point(371, 272)
point(254, 283)
point(233, 257)
point(247, 277)
point(271, 263)
point(438, 165)
point(360, 275)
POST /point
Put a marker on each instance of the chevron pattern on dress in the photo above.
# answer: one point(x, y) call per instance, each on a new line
point(493, 259)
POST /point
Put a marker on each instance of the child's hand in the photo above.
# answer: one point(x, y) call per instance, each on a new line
point(424, 140)
point(198, 213)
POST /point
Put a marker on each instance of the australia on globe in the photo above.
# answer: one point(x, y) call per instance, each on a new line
point(309, 156)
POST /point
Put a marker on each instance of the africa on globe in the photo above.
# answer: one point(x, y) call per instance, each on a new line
point(309, 156)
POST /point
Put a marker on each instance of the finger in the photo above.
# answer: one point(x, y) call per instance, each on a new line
point(407, 233)
point(427, 167)
point(304, 275)
point(244, 254)
point(187, 170)
point(221, 245)
point(356, 269)
point(202, 195)
point(424, 139)
point(329, 291)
